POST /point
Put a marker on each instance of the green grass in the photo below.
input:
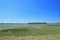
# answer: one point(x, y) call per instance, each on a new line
point(9, 26)
point(50, 30)
point(26, 31)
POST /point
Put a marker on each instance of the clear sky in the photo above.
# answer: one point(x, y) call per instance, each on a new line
point(17, 11)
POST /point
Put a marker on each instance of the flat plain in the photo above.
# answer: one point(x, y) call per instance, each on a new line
point(30, 33)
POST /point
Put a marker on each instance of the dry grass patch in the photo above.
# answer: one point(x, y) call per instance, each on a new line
point(41, 37)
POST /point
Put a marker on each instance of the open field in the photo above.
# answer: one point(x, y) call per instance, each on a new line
point(30, 33)
point(25, 31)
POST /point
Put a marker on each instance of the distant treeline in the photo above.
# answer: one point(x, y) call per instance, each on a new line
point(38, 23)
point(28, 23)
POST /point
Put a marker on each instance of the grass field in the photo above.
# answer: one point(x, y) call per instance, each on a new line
point(40, 37)
point(30, 33)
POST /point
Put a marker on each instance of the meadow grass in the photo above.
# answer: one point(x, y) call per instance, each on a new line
point(30, 33)
point(26, 31)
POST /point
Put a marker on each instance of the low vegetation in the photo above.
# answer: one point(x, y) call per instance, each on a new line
point(30, 33)
point(26, 31)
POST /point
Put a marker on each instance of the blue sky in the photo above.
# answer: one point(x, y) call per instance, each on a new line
point(21, 11)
